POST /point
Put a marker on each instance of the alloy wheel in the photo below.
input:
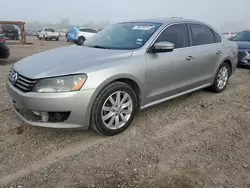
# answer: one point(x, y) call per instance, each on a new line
point(117, 110)
point(222, 77)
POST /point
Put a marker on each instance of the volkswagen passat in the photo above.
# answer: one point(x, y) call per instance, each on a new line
point(124, 68)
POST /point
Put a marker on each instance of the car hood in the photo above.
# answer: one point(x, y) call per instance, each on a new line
point(243, 45)
point(66, 60)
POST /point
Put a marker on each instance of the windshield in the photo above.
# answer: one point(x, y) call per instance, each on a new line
point(130, 35)
point(243, 36)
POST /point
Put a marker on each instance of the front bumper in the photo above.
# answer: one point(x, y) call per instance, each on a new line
point(72, 37)
point(244, 62)
point(76, 103)
point(244, 57)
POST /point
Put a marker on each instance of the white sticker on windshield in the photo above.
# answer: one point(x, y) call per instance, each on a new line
point(139, 40)
point(143, 27)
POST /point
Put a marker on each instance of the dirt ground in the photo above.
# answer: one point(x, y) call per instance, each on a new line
point(198, 140)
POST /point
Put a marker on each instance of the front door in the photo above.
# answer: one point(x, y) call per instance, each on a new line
point(170, 73)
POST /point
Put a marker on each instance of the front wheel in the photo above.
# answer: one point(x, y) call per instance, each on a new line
point(221, 78)
point(113, 109)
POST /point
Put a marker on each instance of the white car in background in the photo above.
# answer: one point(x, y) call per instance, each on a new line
point(48, 34)
point(79, 35)
point(229, 35)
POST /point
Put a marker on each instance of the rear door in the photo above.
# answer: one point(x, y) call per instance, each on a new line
point(206, 52)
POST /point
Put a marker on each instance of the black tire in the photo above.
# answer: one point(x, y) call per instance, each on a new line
point(57, 39)
point(214, 88)
point(80, 40)
point(96, 116)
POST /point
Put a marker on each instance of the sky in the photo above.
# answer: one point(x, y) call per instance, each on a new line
point(215, 12)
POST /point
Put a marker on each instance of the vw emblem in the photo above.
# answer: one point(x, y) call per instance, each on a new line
point(14, 77)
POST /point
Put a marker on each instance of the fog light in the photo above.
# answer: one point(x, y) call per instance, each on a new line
point(44, 115)
point(36, 113)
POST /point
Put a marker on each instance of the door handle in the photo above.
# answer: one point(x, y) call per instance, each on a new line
point(189, 58)
point(219, 52)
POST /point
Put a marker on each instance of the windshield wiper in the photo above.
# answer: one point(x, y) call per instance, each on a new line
point(102, 47)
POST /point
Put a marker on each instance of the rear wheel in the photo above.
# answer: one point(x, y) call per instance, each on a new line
point(221, 78)
point(80, 40)
point(113, 109)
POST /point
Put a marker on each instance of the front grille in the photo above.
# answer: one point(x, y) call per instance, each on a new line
point(20, 82)
point(241, 55)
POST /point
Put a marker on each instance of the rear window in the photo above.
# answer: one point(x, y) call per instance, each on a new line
point(7, 27)
point(49, 30)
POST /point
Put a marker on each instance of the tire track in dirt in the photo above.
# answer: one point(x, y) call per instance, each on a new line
point(49, 160)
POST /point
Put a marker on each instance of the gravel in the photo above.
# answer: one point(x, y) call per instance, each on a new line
point(197, 140)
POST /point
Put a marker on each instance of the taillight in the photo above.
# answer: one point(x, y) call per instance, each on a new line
point(2, 40)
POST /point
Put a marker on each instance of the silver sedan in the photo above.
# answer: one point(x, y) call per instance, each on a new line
point(124, 68)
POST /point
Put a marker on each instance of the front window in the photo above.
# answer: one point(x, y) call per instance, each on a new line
point(130, 35)
point(243, 36)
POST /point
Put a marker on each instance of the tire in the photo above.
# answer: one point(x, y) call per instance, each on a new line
point(57, 39)
point(97, 113)
point(215, 87)
point(80, 40)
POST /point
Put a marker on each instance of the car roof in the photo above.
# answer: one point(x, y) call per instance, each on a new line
point(166, 20)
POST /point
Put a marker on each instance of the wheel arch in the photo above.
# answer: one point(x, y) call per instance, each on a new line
point(82, 36)
point(225, 60)
point(229, 64)
point(125, 78)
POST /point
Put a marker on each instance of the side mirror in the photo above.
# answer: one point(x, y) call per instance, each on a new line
point(161, 47)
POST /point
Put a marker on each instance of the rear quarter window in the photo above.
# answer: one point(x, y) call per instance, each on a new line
point(217, 37)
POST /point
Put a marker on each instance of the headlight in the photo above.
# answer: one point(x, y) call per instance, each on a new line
point(61, 84)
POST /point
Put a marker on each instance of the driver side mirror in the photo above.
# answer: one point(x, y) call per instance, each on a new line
point(161, 47)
